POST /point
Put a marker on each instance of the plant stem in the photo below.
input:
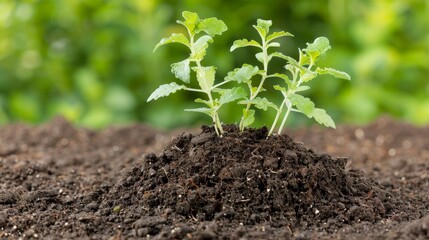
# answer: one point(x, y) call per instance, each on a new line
point(279, 111)
point(284, 118)
point(261, 83)
point(214, 113)
point(284, 103)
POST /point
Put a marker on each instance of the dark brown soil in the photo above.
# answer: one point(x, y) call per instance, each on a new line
point(62, 182)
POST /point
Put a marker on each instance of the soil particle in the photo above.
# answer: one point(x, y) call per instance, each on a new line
point(8, 197)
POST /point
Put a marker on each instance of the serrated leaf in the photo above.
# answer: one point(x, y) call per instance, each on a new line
point(244, 43)
point(191, 21)
point(205, 77)
point(165, 90)
point(308, 76)
point(322, 117)
point(260, 103)
point(211, 26)
point(230, 95)
point(276, 35)
point(303, 104)
point(182, 70)
point(243, 74)
point(248, 117)
point(263, 27)
point(317, 48)
point(333, 72)
point(200, 46)
point(207, 111)
point(174, 38)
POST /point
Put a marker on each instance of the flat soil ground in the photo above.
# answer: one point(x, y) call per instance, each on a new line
point(58, 181)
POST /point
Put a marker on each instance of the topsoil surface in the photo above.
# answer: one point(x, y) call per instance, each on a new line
point(62, 182)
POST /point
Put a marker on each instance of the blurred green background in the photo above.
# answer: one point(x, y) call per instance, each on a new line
point(92, 62)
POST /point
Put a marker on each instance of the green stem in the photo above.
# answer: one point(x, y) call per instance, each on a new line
point(219, 125)
point(219, 84)
point(193, 90)
point(279, 111)
point(214, 115)
point(289, 108)
point(284, 119)
point(258, 90)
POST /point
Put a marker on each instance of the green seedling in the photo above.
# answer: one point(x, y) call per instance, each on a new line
point(200, 33)
point(303, 71)
point(247, 72)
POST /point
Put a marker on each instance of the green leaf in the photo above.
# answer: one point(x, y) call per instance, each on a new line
point(322, 117)
point(308, 76)
point(199, 100)
point(165, 90)
point(287, 58)
point(279, 88)
point(212, 26)
point(182, 70)
point(230, 95)
point(205, 77)
point(260, 103)
point(263, 27)
point(333, 72)
point(290, 67)
point(260, 57)
point(174, 38)
point(274, 44)
point(318, 47)
point(244, 43)
point(248, 117)
point(304, 59)
point(191, 21)
point(302, 88)
point(243, 74)
point(284, 77)
point(199, 47)
point(276, 35)
point(207, 111)
point(303, 104)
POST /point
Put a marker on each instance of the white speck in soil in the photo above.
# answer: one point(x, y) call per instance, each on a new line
point(359, 134)
point(392, 152)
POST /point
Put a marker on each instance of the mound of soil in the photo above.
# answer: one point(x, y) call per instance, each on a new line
point(62, 182)
point(248, 179)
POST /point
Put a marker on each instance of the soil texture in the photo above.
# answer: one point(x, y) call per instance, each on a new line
point(58, 181)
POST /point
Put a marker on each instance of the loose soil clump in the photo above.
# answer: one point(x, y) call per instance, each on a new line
point(58, 181)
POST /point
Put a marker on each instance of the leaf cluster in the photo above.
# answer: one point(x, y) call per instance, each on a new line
point(298, 73)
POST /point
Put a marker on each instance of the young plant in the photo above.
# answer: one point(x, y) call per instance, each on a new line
point(200, 33)
point(246, 73)
point(303, 71)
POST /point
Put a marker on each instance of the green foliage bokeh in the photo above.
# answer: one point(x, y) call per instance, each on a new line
point(92, 61)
